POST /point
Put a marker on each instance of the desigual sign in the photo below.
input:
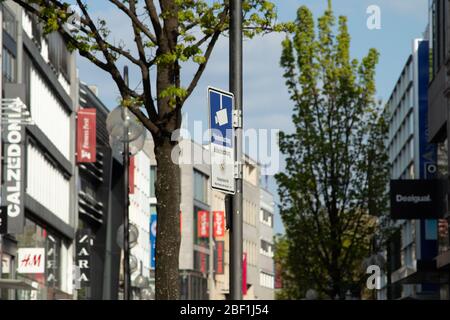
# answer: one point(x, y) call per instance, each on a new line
point(417, 199)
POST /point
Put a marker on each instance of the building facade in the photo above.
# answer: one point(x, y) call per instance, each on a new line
point(439, 126)
point(205, 245)
point(39, 73)
point(412, 248)
point(100, 211)
point(266, 248)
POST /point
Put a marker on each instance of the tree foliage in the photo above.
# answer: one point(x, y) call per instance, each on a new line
point(336, 173)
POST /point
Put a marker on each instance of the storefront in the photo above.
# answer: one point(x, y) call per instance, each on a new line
point(32, 264)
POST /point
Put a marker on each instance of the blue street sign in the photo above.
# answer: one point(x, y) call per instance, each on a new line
point(152, 240)
point(221, 104)
point(221, 117)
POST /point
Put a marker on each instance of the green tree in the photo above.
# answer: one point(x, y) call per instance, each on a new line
point(336, 173)
point(166, 34)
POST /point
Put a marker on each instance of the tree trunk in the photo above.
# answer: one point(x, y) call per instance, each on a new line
point(168, 223)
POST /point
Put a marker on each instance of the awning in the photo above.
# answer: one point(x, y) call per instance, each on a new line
point(16, 284)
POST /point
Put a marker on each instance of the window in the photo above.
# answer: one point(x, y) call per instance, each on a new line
point(36, 30)
point(26, 67)
point(37, 236)
point(200, 187)
point(266, 217)
point(266, 280)
point(266, 248)
point(152, 181)
point(59, 55)
point(201, 261)
point(9, 66)
point(9, 22)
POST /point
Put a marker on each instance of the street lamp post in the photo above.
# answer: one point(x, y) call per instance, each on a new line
point(126, 227)
point(128, 134)
point(236, 88)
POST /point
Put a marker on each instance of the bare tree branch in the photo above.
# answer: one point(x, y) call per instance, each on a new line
point(209, 49)
point(145, 72)
point(135, 20)
point(151, 9)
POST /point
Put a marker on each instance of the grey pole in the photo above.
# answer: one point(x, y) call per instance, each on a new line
point(236, 89)
point(126, 228)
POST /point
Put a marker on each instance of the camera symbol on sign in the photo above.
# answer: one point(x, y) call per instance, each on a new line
point(221, 117)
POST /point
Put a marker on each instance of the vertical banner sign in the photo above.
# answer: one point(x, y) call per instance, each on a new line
point(131, 174)
point(13, 189)
point(221, 105)
point(86, 135)
point(220, 251)
point(52, 269)
point(83, 258)
point(202, 262)
point(152, 240)
point(278, 276)
point(219, 224)
point(203, 224)
point(427, 152)
point(244, 274)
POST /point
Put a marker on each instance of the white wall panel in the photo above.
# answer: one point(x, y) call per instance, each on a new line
point(46, 184)
point(44, 50)
point(49, 115)
point(26, 24)
point(64, 84)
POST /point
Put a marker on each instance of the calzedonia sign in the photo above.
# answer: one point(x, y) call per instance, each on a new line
point(417, 199)
point(13, 189)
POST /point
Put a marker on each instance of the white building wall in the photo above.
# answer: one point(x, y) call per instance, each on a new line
point(47, 185)
point(49, 114)
point(26, 24)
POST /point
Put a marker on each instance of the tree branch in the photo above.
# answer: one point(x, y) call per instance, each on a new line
point(135, 20)
point(151, 9)
point(149, 104)
point(209, 49)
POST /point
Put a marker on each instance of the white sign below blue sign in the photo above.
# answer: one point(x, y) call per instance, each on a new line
point(221, 104)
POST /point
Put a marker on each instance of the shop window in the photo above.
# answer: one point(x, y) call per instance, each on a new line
point(9, 66)
point(37, 237)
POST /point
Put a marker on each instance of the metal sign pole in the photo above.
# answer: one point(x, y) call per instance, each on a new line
point(236, 89)
point(126, 227)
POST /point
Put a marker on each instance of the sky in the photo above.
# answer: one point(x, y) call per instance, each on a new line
point(266, 101)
